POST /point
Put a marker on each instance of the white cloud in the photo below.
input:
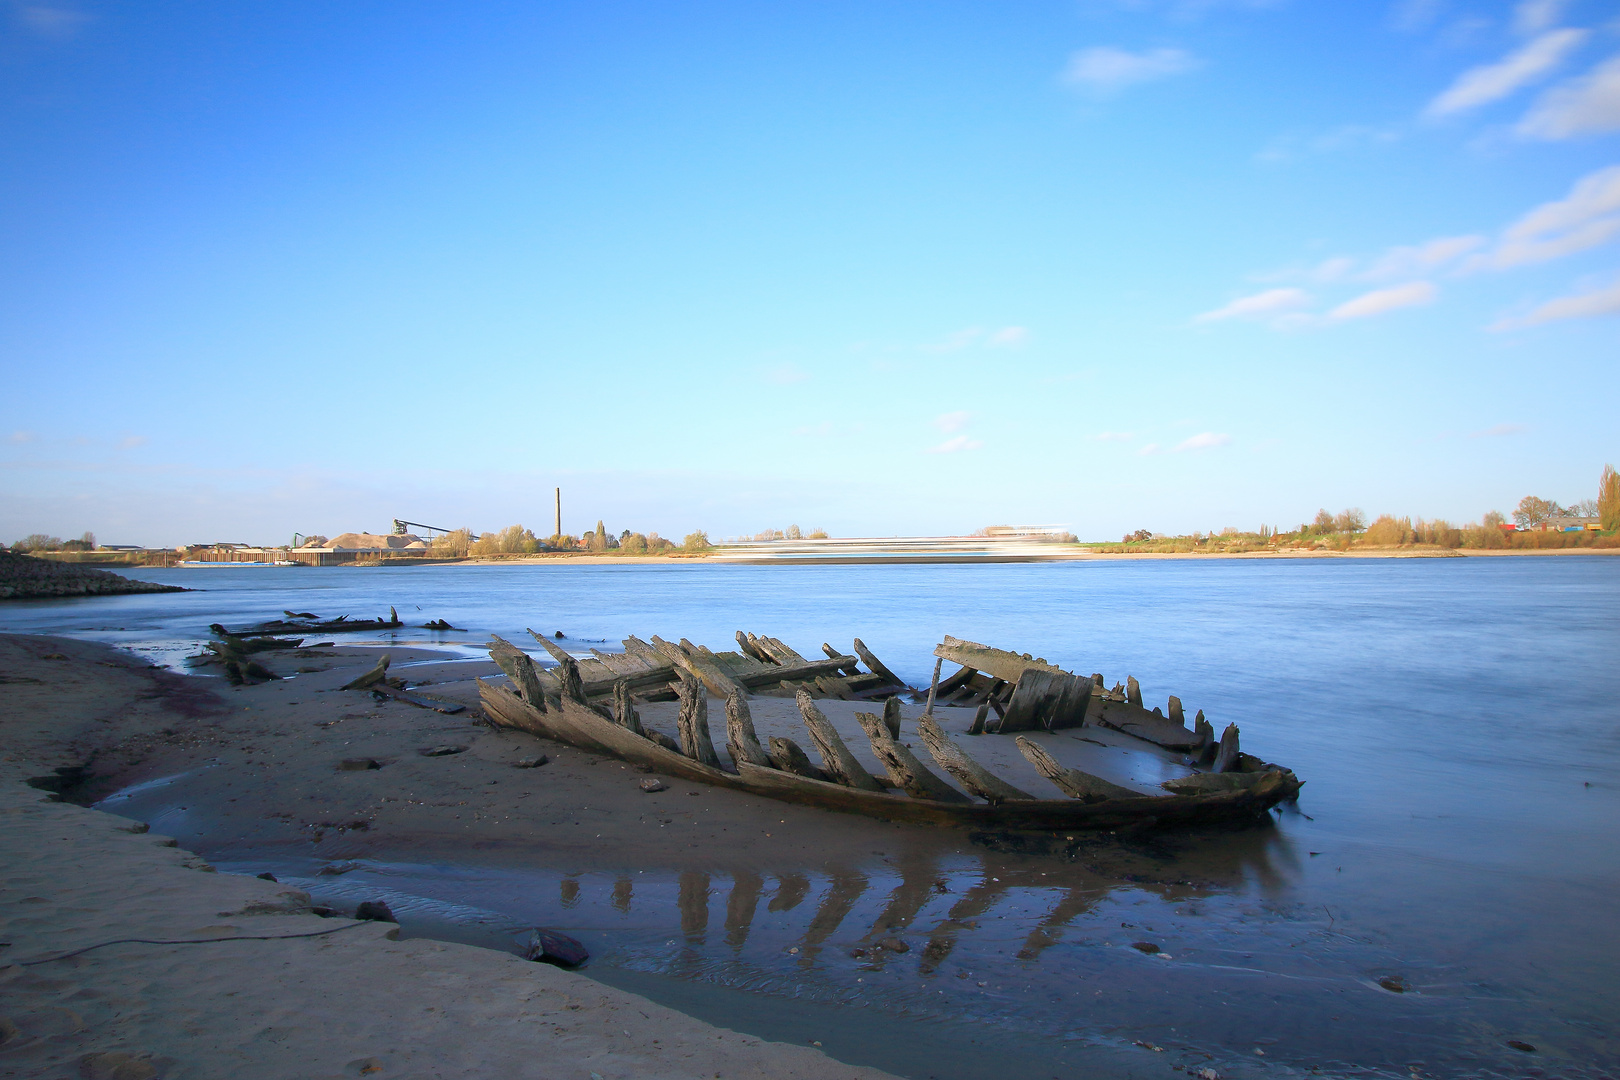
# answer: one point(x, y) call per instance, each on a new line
point(815, 431)
point(1148, 450)
point(50, 22)
point(1585, 305)
point(130, 442)
point(1207, 440)
point(951, 446)
point(953, 421)
point(1113, 436)
point(1534, 16)
point(956, 341)
point(1587, 217)
point(1104, 69)
point(1589, 105)
point(1379, 301)
point(1262, 305)
point(1008, 337)
point(20, 437)
point(1482, 85)
point(1498, 431)
point(1423, 258)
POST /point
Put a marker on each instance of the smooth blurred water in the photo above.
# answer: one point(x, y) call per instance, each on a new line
point(1455, 721)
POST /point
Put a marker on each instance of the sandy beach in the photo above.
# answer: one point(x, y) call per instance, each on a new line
point(262, 986)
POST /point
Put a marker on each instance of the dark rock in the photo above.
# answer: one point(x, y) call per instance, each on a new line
point(374, 911)
point(558, 635)
point(267, 876)
point(652, 783)
point(550, 947)
point(442, 751)
point(1145, 947)
point(1521, 1045)
point(115, 1066)
point(1394, 984)
point(531, 762)
point(358, 764)
point(894, 944)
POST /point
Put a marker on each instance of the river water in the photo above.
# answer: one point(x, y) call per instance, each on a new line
point(1458, 837)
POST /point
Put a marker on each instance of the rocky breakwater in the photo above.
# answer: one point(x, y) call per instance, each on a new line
point(23, 577)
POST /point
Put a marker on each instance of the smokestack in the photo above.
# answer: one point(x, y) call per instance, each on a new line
point(558, 533)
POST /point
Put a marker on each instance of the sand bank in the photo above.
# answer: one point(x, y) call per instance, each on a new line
point(263, 987)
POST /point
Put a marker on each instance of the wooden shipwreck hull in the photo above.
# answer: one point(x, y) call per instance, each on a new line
point(1028, 695)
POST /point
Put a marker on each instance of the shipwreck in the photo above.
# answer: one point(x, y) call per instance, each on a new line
point(1049, 749)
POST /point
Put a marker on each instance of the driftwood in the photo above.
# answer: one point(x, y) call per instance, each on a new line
point(741, 739)
point(370, 678)
point(875, 666)
point(340, 625)
point(907, 773)
point(624, 710)
point(421, 701)
point(954, 760)
point(1046, 699)
point(693, 723)
point(891, 717)
point(836, 759)
point(1226, 758)
point(1072, 782)
point(787, 756)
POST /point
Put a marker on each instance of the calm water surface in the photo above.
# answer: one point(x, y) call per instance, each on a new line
point(1455, 721)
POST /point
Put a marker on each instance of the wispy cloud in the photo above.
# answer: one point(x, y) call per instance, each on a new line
point(130, 442)
point(1104, 69)
point(1589, 105)
point(1149, 450)
point(1379, 301)
point(1585, 218)
point(20, 437)
point(1345, 137)
point(815, 431)
point(1425, 258)
point(956, 340)
point(1207, 440)
point(1008, 337)
point(1535, 60)
point(1587, 305)
point(48, 21)
point(1112, 436)
point(1261, 305)
point(1499, 430)
point(951, 446)
point(953, 421)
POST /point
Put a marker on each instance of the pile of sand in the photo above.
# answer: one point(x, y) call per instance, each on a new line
point(351, 541)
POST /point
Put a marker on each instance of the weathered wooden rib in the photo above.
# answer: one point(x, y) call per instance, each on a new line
point(693, 723)
point(741, 739)
point(1072, 782)
point(624, 710)
point(874, 665)
point(907, 773)
point(570, 685)
point(1226, 758)
point(1204, 783)
point(421, 701)
point(836, 760)
point(807, 670)
point(850, 668)
point(892, 717)
point(340, 625)
point(370, 678)
point(788, 756)
point(697, 666)
point(518, 666)
point(954, 760)
point(580, 726)
point(1135, 720)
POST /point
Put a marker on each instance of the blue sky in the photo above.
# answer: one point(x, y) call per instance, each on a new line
point(880, 267)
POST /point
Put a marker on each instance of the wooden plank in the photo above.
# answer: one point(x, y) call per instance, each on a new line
point(957, 681)
point(1072, 782)
point(1046, 699)
point(847, 669)
point(777, 650)
point(519, 667)
point(624, 710)
point(370, 678)
point(907, 773)
point(772, 675)
point(750, 648)
point(1137, 721)
point(834, 687)
point(874, 665)
point(836, 759)
point(954, 760)
point(998, 663)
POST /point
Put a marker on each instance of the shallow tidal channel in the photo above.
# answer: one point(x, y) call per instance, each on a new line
point(1443, 888)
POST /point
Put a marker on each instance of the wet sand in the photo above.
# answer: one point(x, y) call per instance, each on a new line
point(236, 976)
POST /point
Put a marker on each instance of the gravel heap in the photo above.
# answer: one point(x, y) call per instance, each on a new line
point(24, 577)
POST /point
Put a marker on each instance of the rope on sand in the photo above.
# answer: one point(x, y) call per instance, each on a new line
point(190, 941)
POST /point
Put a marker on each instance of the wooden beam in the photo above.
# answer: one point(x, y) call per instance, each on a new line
point(954, 760)
point(999, 663)
point(1072, 782)
point(699, 667)
point(908, 774)
point(874, 665)
point(835, 756)
point(741, 738)
point(1046, 699)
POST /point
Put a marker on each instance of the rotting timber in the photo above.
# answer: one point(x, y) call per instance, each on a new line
point(591, 703)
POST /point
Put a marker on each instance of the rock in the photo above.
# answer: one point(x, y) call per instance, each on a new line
point(1521, 1045)
point(652, 783)
point(1145, 947)
point(531, 762)
point(374, 911)
point(558, 635)
point(550, 947)
point(1394, 984)
point(358, 764)
point(442, 751)
point(894, 944)
point(9, 1032)
point(1207, 1073)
